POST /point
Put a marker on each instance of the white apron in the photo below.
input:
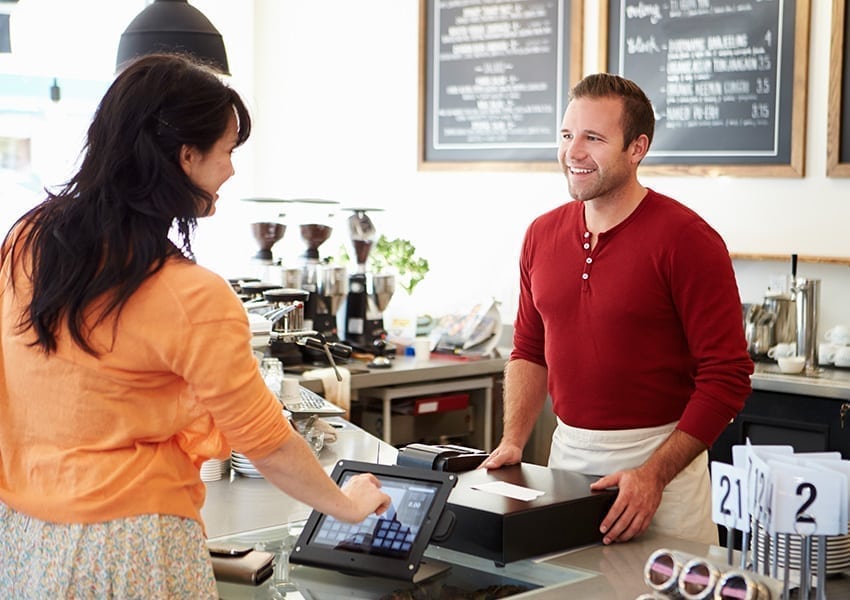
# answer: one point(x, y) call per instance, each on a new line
point(685, 509)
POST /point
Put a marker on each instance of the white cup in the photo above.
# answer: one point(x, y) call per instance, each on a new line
point(826, 353)
point(289, 389)
point(842, 356)
point(839, 334)
point(791, 364)
point(422, 348)
point(782, 350)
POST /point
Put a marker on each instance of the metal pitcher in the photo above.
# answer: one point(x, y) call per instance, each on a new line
point(784, 309)
point(807, 298)
point(758, 329)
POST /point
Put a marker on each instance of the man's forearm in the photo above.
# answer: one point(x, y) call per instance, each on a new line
point(525, 395)
point(672, 456)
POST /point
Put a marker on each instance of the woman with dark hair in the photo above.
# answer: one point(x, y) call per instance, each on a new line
point(124, 365)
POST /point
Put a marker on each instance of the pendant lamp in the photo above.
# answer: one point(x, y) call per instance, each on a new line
point(172, 26)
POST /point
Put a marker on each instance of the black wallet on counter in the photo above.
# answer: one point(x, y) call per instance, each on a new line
point(252, 568)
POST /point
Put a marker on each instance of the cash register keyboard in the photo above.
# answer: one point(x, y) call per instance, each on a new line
point(311, 402)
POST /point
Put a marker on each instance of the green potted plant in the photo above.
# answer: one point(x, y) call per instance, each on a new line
point(399, 255)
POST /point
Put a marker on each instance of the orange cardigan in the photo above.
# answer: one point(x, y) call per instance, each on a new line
point(86, 439)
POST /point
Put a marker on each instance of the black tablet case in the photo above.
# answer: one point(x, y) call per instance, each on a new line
point(308, 553)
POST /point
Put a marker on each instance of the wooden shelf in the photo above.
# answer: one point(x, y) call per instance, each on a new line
point(801, 258)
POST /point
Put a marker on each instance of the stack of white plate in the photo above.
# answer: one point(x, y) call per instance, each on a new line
point(837, 551)
point(213, 469)
point(243, 466)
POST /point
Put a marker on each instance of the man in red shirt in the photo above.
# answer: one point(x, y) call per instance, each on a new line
point(629, 318)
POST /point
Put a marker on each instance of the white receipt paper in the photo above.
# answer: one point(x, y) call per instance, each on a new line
point(509, 490)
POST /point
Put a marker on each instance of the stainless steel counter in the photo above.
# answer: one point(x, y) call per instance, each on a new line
point(253, 511)
point(237, 503)
point(406, 369)
point(826, 383)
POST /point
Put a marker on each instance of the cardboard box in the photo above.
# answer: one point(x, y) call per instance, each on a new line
point(504, 530)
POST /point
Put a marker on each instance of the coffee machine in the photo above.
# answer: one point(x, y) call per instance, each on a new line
point(286, 313)
point(368, 295)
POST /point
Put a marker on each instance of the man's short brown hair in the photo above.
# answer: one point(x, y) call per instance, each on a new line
point(638, 116)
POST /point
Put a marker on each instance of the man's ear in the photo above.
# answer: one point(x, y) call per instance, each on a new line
point(639, 148)
point(188, 158)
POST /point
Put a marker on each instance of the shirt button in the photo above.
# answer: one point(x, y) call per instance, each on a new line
point(586, 245)
point(584, 275)
point(587, 234)
point(589, 260)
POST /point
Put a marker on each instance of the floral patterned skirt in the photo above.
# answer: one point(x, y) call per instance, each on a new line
point(148, 556)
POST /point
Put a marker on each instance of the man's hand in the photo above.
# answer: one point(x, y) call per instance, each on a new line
point(636, 503)
point(504, 454)
point(641, 487)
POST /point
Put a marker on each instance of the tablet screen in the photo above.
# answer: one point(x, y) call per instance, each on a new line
point(390, 544)
point(390, 534)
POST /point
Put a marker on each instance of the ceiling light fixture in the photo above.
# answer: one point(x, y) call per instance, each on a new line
point(172, 26)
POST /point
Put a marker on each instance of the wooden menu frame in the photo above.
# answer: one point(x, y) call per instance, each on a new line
point(794, 167)
point(469, 157)
point(836, 164)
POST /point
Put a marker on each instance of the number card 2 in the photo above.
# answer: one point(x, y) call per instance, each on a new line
point(807, 501)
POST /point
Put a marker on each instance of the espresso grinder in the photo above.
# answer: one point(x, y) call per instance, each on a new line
point(328, 287)
point(326, 283)
point(267, 228)
point(368, 295)
point(313, 235)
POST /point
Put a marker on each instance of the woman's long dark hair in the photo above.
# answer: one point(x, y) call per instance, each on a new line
point(107, 229)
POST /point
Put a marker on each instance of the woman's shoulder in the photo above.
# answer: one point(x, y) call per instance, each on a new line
point(195, 288)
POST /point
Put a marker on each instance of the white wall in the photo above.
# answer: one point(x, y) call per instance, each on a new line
point(337, 93)
point(55, 38)
point(333, 85)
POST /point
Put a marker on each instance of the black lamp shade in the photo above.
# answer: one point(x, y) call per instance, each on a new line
point(172, 26)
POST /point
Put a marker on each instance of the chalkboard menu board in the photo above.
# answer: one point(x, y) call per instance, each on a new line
point(838, 125)
point(727, 79)
point(845, 92)
point(494, 79)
